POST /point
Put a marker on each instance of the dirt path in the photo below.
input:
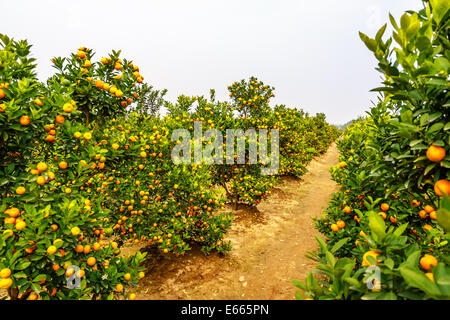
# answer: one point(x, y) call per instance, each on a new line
point(268, 251)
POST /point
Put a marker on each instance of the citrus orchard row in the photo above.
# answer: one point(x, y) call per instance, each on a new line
point(85, 169)
point(387, 228)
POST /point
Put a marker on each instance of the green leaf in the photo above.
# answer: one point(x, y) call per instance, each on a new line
point(418, 280)
point(439, 9)
point(377, 225)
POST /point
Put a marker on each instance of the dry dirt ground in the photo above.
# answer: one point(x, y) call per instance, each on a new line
point(268, 247)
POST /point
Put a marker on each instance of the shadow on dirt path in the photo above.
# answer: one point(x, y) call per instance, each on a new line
point(268, 246)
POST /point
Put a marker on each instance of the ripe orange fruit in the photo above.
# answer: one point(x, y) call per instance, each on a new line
point(6, 283)
point(132, 296)
point(91, 261)
point(428, 209)
point(340, 224)
point(119, 287)
point(41, 166)
point(87, 63)
point(371, 253)
point(56, 267)
point(384, 207)
point(127, 276)
point(12, 212)
point(2, 94)
point(50, 138)
point(68, 107)
point(347, 209)
point(24, 120)
point(63, 165)
point(96, 246)
point(442, 187)
point(51, 250)
point(427, 261)
point(5, 273)
point(334, 227)
point(87, 249)
point(41, 180)
point(20, 224)
point(433, 215)
point(70, 272)
point(81, 273)
point(20, 190)
point(141, 275)
point(81, 54)
point(422, 214)
point(383, 215)
point(393, 219)
point(59, 119)
point(75, 231)
point(342, 164)
point(435, 153)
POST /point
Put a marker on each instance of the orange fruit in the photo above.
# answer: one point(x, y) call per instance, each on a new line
point(68, 107)
point(87, 249)
point(334, 227)
point(40, 180)
point(59, 119)
point(371, 253)
point(141, 275)
point(430, 276)
point(342, 164)
point(347, 209)
point(428, 209)
point(442, 187)
point(433, 215)
point(91, 261)
point(127, 276)
point(24, 120)
point(63, 165)
point(81, 273)
point(79, 248)
point(340, 224)
point(435, 153)
point(423, 214)
point(427, 261)
point(50, 138)
point(20, 224)
point(70, 272)
point(55, 267)
point(98, 83)
point(87, 63)
point(384, 207)
point(51, 250)
point(20, 190)
point(2, 94)
point(6, 283)
point(75, 231)
point(81, 54)
point(119, 287)
point(41, 166)
point(383, 215)
point(132, 296)
point(5, 273)
point(12, 212)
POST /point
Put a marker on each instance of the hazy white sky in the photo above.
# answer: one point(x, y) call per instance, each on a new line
point(309, 50)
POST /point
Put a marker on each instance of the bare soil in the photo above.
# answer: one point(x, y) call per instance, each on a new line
point(269, 244)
